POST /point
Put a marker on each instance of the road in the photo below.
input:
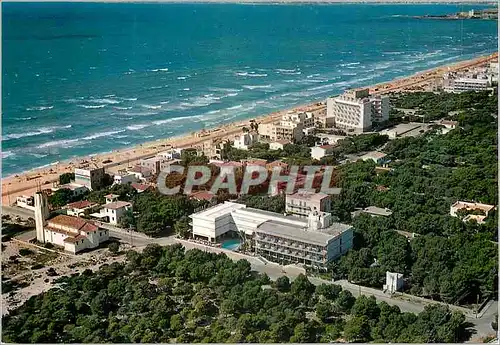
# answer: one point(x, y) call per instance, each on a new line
point(482, 324)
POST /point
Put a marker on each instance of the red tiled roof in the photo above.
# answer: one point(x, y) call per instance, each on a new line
point(81, 204)
point(74, 239)
point(140, 169)
point(277, 164)
point(228, 164)
point(74, 223)
point(116, 205)
point(140, 186)
point(326, 147)
point(202, 195)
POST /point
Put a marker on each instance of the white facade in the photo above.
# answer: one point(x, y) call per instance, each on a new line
point(91, 178)
point(278, 145)
point(76, 188)
point(302, 204)
point(72, 233)
point(355, 110)
point(26, 202)
point(393, 282)
point(115, 211)
point(318, 152)
point(245, 140)
point(375, 156)
point(291, 127)
point(124, 177)
point(472, 82)
point(215, 221)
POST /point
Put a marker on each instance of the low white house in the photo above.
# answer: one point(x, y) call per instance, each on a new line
point(80, 208)
point(71, 233)
point(26, 202)
point(375, 156)
point(318, 152)
point(393, 282)
point(245, 140)
point(76, 188)
point(115, 210)
point(278, 144)
point(141, 173)
point(479, 211)
point(125, 177)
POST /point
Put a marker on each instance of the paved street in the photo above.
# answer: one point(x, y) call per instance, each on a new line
point(482, 323)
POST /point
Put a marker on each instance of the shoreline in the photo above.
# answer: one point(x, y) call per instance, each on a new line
point(28, 181)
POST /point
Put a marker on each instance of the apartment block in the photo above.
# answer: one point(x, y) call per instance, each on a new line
point(356, 110)
point(302, 204)
point(92, 178)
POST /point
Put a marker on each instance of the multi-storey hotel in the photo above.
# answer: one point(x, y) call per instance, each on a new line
point(356, 110)
point(301, 204)
point(314, 240)
point(291, 127)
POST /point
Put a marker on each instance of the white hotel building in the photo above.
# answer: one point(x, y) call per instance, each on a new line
point(314, 240)
point(356, 110)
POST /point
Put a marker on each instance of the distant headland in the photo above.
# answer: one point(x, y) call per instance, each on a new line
point(487, 14)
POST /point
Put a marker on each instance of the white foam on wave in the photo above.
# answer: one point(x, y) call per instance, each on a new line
point(40, 108)
point(186, 89)
point(222, 89)
point(24, 118)
point(104, 101)
point(149, 106)
point(159, 70)
point(251, 74)
point(38, 155)
point(6, 154)
point(91, 106)
point(253, 87)
point(122, 108)
point(148, 113)
point(130, 99)
point(161, 122)
point(182, 77)
point(102, 134)
point(235, 107)
point(349, 64)
point(136, 127)
point(65, 143)
point(165, 102)
point(43, 130)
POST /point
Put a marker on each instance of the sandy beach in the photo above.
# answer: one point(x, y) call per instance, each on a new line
point(26, 183)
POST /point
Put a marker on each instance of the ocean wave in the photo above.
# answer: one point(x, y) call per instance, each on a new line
point(222, 89)
point(91, 106)
point(43, 130)
point(165, 102)
point(313, 75)
point(393, 53)
point(112, 95)
point(232, 94)
point(253, 87)
point(282, 70)
point(24, 118)
point(122, 108)
point(148, 113)
point(214, 111)
point(102, 134)
point(104, 101)
point(186, 89)
point(120, 136)
point(148, 106)
point(349, 64)
point(136, 127)
point(37, 155)
point(65, 143)
point(251, 74)
point(40, 108)
point(161, 122)
point(183, 77)
point(6, 154)
point(159, 70)
point(130, 99)
point(235, 107)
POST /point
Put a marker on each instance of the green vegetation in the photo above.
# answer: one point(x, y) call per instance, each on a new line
point(165, 294)
point(268, 203)
point(66, 178)
point(452, 261)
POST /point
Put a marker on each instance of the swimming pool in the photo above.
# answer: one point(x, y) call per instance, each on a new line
point(233, 244)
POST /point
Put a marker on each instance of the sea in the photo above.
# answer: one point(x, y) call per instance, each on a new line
point(87, 78)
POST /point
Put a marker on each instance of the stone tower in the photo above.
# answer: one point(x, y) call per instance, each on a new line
point(41, 214)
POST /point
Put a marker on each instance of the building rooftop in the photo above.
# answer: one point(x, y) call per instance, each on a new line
point(81, 204)
point(218, 210)
point(111, 196)
point(73, 239)
point(307, 196)
point(117, 205)
point(277, 163)
point(377, 211)
point(227, 164)
point(140, 186)
point(71, 186)
point(73, 223)
point(202, 195)
point(373, 154)
point(298, 233)
point(472, 205)
point(327, 147)
point(254, 161)
point(140, 169)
